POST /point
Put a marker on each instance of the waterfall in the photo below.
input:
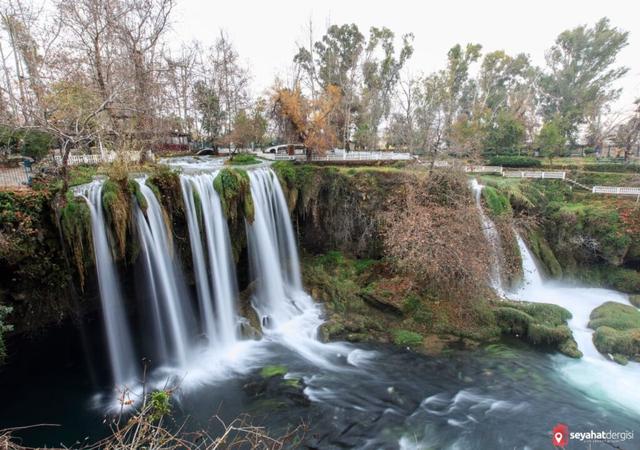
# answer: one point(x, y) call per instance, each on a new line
point(272, 248)
point(491, 234)
point(288, 314)
point(170, 308)
point(593, 373)
point(215, 277)
point(119, 344)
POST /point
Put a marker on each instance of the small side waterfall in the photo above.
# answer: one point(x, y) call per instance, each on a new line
point(170, 308)
point(492, 236)
point(213, 265)
point(593, 373)
point(120, 346)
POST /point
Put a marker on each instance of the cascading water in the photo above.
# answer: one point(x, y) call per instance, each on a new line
point(120, 348)
point(593, 373)
point(215, 277)
point(170, 308)
point(492, 236)
point(289, 315)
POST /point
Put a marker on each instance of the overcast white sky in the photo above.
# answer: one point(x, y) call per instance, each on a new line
point(265, 32)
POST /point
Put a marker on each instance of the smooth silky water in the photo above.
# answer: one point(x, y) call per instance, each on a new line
point(501, 396)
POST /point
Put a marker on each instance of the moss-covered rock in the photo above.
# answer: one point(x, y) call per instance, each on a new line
point(75, 224)
point(625, 344)
point(273, 371)
point(116, 202)
point(234, 189)
point(635, 300)
point(615, 315)
point(406, 338)
point(543, 252)
point(540, 324)
point(617, 331)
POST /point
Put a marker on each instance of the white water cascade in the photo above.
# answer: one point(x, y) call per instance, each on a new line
point(213, 263)
point(119, 343)
point(170, 308)
point(493, 238)
point(594, 374)
point(288, 314)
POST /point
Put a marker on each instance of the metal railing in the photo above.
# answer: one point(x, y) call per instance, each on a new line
point(15, 176)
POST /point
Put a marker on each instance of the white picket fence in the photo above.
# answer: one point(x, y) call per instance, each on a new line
point(483, 169)
point(75, 159)
point(616, 190)
point(534, 174)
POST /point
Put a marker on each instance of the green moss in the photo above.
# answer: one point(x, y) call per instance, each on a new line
point(116, 202)
point(635, 300)
point(134, 188)
point(4, 327)
point(407, 338)
point(541, 249)
point(611, 341)
point(615, 315)
point(75, 223)
point(619, 278)
point(617, 331)
point(273, 371)
point(234, 189)
point(539, 324)
point(497, 203)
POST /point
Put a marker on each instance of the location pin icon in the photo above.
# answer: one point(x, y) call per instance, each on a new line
point(558, 437)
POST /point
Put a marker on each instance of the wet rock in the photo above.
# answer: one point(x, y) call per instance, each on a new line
point(274, 386)
point(381, 303)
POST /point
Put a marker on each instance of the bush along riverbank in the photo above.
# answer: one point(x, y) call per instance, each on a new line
point(576, 236)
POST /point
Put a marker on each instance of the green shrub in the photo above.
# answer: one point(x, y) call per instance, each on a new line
point(514, 161)
point(407, 338)
point(243, 159)
point(160, 405)
point(36, 144)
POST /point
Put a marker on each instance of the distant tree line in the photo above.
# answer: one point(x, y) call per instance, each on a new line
point(100, 74)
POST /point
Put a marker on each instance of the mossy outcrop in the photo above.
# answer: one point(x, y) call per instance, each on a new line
point(617, 331)
point(539, 324)
point(35, 280)
point(75, 224)
point(408, 317)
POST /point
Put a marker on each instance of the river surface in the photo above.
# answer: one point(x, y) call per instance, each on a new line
point(374, 397)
